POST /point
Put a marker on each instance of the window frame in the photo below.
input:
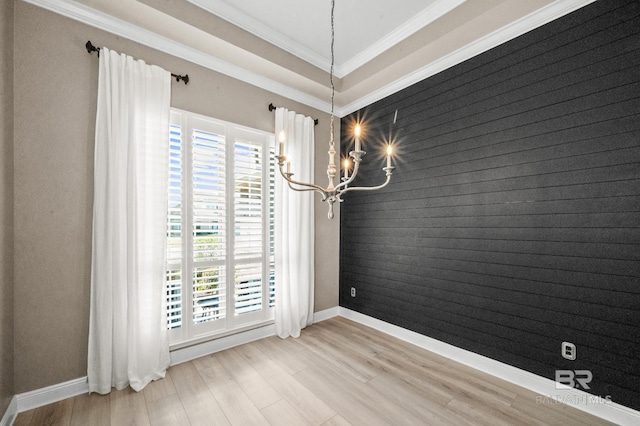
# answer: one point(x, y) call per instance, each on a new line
point(190, 332)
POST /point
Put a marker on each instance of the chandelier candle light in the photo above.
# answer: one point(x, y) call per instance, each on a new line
point(332, 192)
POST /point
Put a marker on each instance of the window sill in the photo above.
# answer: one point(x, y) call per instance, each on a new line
point(206, 345)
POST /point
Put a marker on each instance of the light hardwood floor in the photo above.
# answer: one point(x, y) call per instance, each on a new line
point(337, 373)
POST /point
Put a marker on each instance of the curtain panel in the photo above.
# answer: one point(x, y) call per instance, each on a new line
point(128, 340)
point(294, 228)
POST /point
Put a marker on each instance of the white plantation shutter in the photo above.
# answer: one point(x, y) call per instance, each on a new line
point(174, 230)
point(209, 228)
point(272, 245)
point(248, 213)
point(220, 273)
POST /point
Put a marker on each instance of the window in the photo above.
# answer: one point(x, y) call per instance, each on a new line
point(220, 227)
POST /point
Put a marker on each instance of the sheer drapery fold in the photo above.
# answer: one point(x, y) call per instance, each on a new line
point(128, 340)
point(294, 229)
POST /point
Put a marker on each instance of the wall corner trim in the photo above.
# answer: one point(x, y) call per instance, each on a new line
point(581, 400)
point(10, 415)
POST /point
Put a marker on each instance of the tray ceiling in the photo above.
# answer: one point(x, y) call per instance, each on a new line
point(363, 28)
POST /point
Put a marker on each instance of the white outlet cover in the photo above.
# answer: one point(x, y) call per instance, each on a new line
point(568, 351)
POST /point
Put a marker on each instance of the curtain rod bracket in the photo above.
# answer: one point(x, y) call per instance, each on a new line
point(91, 48)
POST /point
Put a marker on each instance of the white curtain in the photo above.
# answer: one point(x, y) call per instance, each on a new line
point(294, 234)
point(128, 340)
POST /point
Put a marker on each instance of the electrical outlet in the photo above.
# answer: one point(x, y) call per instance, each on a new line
point(568, 351)
point(353, 292)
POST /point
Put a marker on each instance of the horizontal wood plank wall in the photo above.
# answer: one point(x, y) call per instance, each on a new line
point(512, 222)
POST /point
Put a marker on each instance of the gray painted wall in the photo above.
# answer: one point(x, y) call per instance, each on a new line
point(55, 98)
point(6, 204)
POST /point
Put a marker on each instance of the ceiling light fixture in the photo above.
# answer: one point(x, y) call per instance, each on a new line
point(332, 192)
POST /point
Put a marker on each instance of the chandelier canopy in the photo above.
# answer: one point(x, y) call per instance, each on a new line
point(333, 192)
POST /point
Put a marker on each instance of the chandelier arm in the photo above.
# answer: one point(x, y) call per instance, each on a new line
point(348, 181)
point(356, 167)
point(344, 183)
point(311, 186)
point(301, 189)
point(370, 188)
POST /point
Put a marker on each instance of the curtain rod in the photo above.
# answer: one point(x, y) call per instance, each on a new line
point(271, 108)
point(91, 48)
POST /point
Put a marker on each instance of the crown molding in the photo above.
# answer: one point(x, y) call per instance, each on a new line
point(103, 21)
point(515, 29)
point(108, 23)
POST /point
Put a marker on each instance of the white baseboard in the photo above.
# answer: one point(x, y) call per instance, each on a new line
point(10, 414)
point(54, 393)
point(50, 394)
point(326, 314)
point(581, 400)
point(607, 410)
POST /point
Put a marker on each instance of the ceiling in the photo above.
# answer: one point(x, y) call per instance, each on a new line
point(284, 45)
point(363, 29)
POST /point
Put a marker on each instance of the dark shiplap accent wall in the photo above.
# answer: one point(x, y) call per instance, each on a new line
point(512, 222)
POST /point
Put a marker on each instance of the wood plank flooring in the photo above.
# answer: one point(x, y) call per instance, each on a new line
point(337, 373)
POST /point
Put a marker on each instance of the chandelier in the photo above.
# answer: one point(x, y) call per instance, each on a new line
point(333, 192)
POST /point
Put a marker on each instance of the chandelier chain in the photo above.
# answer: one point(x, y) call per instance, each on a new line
point(333, 88)
point(333, 193)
